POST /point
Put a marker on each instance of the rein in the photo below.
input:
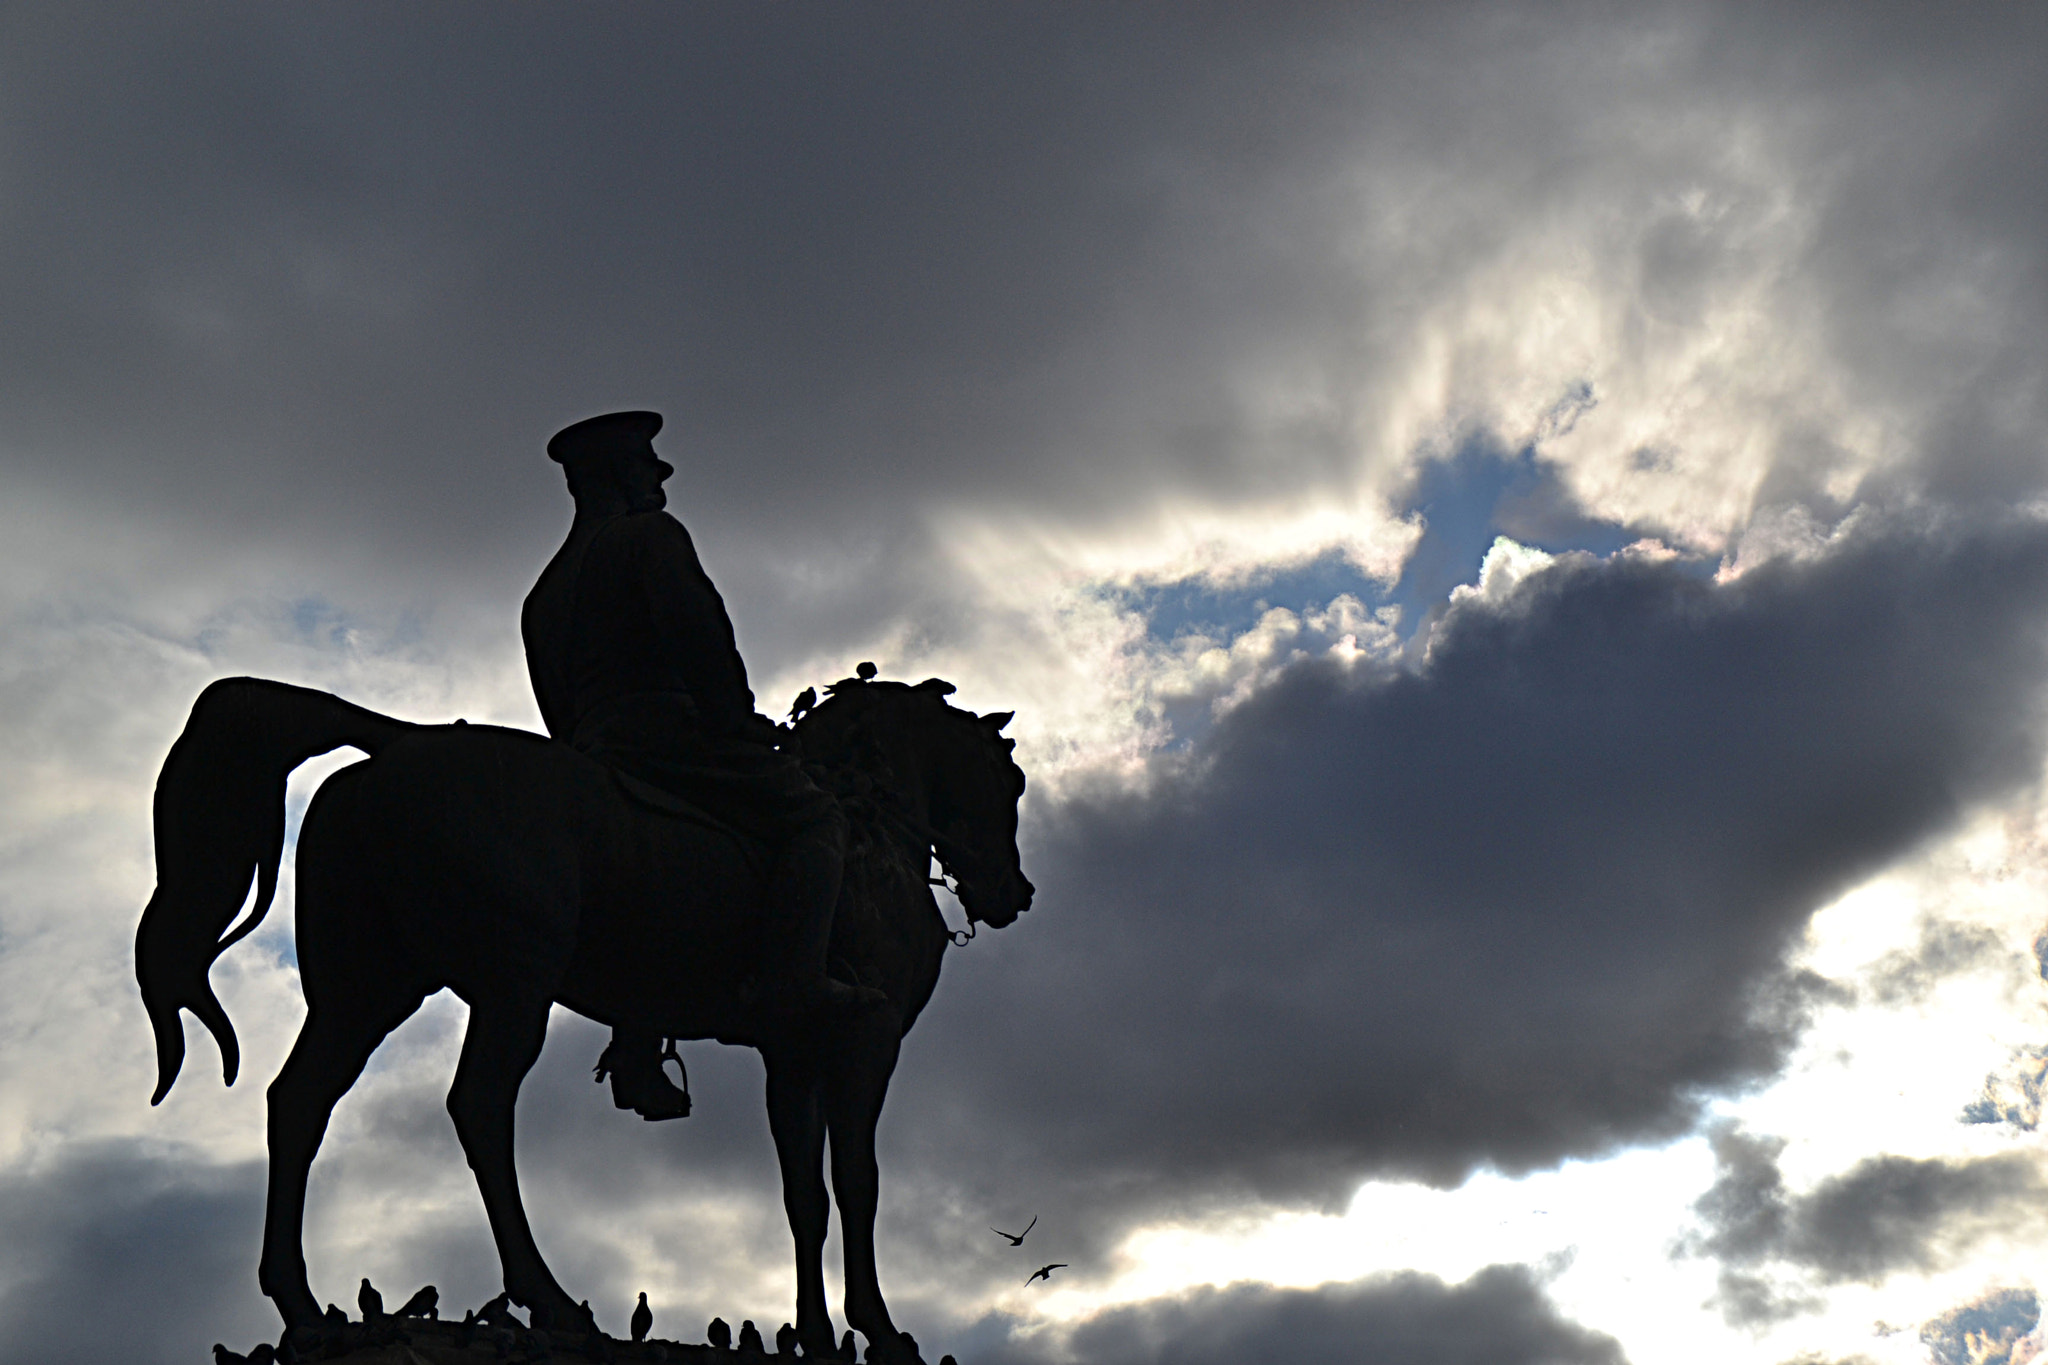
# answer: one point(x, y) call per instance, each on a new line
point(920, 837)
point(859, 790)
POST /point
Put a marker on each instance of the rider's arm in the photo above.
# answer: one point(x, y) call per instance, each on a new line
point(690, 620)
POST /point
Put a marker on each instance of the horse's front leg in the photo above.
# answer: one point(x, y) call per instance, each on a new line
point(503, 1039)
point(854, 1090)
point(797, 1119)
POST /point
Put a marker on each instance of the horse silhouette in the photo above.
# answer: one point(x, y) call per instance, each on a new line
point(518, 873)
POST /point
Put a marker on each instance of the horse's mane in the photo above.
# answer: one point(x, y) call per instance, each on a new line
point(888, 848)
point(886, 844)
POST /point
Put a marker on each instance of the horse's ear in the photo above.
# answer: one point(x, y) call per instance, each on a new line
point(996, 720)
point(938, 685)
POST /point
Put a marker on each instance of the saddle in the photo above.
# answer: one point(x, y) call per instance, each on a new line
point(644, 794)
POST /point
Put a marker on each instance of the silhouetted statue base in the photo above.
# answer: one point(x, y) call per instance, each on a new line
point(409, 1341)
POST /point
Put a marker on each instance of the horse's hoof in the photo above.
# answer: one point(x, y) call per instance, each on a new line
point(902, 1350)
point(561, 1317)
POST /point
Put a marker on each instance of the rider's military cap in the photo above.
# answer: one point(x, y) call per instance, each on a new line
point(603, 435)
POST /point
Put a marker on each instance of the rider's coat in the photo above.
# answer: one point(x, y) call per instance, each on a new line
point(625, 607)
point(633, 662)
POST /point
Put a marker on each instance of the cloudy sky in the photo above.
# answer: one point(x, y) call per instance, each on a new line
point(1517, 537)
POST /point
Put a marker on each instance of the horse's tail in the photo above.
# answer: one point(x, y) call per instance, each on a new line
point(220, 818)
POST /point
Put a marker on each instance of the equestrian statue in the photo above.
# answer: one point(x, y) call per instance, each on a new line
point(668, 863)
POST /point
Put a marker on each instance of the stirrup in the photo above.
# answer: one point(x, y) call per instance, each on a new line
point(649, 1093)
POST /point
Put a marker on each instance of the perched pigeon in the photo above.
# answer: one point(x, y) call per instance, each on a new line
point(948, 1360)
point(497, 1312)
point(750, 1338)
point(425, 1304)
point(785, 1340)
point(719, 1335)
point(223, 1356)
point(1044, 1272)
point(847, 1350)
point(643, 1319)
point(369, 1301)
point(1017, 1238)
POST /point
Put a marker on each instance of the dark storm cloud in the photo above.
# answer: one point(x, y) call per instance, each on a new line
point(122, 1251)
point(1532, 901)
point(316, 284)
point(289, 265)
point(1498, 1317)
point(1893, 1212)
point(1885, 1214)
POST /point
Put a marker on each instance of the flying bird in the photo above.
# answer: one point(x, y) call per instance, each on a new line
point(1044, 1272)
point(643, 1319)
point(370, 1301)
point(1017, 1238)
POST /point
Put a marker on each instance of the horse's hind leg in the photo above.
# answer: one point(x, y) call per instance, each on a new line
point(503, 1039)
point(797, 1119)
point(340, 1033)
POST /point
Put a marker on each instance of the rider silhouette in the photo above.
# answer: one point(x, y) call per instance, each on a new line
point(633, 662)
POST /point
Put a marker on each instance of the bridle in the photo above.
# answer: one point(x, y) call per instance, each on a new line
point(951, 851)
point(957, 884)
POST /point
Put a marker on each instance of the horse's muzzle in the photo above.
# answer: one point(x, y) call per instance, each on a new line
point(999, 907)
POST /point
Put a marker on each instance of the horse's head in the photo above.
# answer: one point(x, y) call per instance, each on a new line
point(958, 767)
point(975, 787)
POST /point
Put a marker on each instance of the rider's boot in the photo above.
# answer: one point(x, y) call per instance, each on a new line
point(633, 1061)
